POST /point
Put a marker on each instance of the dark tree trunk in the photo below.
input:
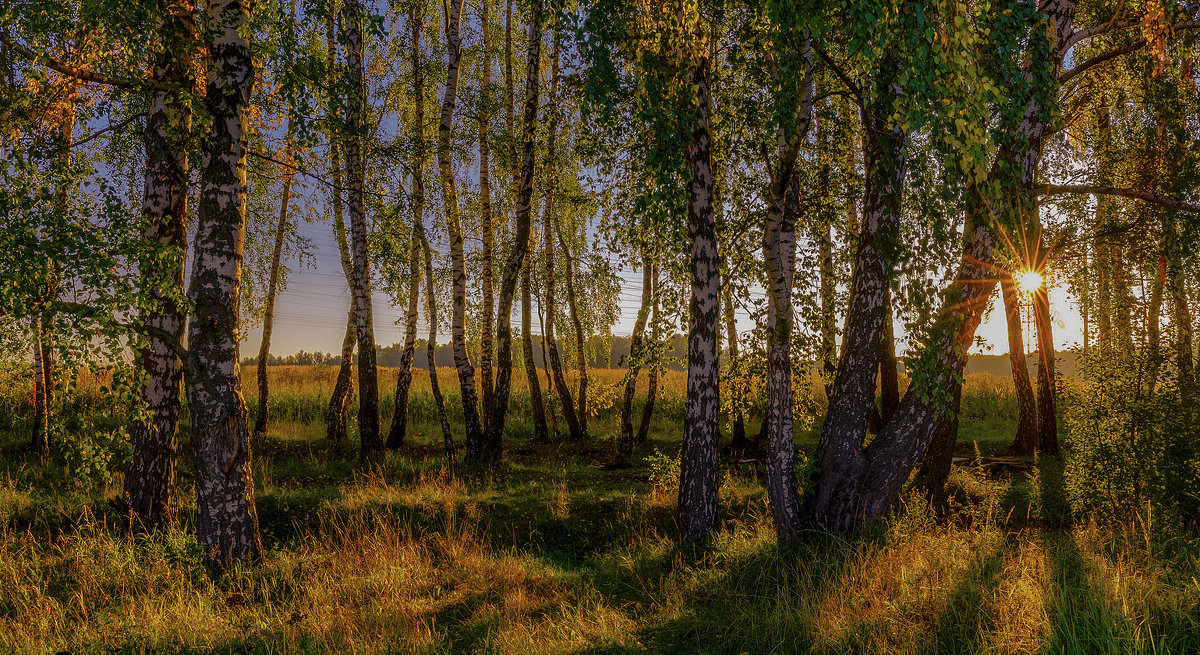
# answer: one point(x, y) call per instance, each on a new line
point(866, 486)
point(536, 403)
point(458, 260)
point(577, 328)
point(636, 357)
point(840, 455)
point(227, 522)
point(652, 375)
point(431, 350)
point(43, 382)
point(738, 438)
point(1181, 312)
point(356, 109)
point(548, 219)
point(264, 348)
point(520, 251)
point(828, 304)
point(935, 465)
point(338, 411)
point(1047, 406)
point(1153, 322)
point(889, 375)
point(491, 451)
point(404, 376)
point(698, 465)
point(1025, 441)
point(151, 499)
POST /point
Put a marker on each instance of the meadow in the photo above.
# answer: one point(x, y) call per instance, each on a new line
point(554, 551)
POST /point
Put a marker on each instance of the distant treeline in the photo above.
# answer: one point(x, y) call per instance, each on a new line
point(618, 349)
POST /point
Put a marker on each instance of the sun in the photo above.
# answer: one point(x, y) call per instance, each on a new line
point(1028, 281)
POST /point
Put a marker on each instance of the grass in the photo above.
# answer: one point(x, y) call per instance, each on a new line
point(548, 554)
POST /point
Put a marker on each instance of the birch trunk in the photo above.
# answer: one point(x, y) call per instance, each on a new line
point(355, 117)
point(636, 357)
point(458, 261)
point(338, 411)
point(652, 375)
point(1025, 441)
point(698, 466)
point(489, 239)
point(150, 496)
point(866, 489)
point(264, 349)
point(577, 327)
point(519, 255)
point(1047, 405)
point(404, 376)
point(227, 522)
point(548, 230)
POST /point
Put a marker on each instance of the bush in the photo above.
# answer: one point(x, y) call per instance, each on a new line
point(1132, 452)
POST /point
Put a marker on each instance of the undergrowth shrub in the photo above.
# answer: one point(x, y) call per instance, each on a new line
point(1132, 452)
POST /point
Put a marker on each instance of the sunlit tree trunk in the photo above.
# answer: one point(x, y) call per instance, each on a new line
point(458, 260)
point(636, 356)
point(490, 450)
point(889, 375)
point(1025, 440)
point(520, 251)
point(431, 347)
point(264, 348)
point(227, 522)
point(42, 382)
point(698, 466)
point(404, 376)
point(1153, 324)
point(355, 113)
point(150, 495)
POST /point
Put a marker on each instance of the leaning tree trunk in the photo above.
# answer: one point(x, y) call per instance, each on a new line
point(490, 451)
point(935, 465)
point(355, 117)
point(698, 465)
point(652, 376)
point(227, 522)
point(519, 254)
point(151, 500)
point(867, 487)
point(264, 348)
point(1025, 441)
point(458, 261)
point(840, 456)
point(577, 328)
point(404, 376)
point(636, 356)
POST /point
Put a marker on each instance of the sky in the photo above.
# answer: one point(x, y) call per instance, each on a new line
point(310, 314)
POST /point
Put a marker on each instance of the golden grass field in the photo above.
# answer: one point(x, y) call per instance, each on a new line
point(548, 554)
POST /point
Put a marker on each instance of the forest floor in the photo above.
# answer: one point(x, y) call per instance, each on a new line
point(552, 551)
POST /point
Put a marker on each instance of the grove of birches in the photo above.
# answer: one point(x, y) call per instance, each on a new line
point(795, 213)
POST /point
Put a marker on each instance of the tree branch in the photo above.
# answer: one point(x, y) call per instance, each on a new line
point(841, 74)
point(81, 74)
point(1061, 189)
point(1066, 75)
